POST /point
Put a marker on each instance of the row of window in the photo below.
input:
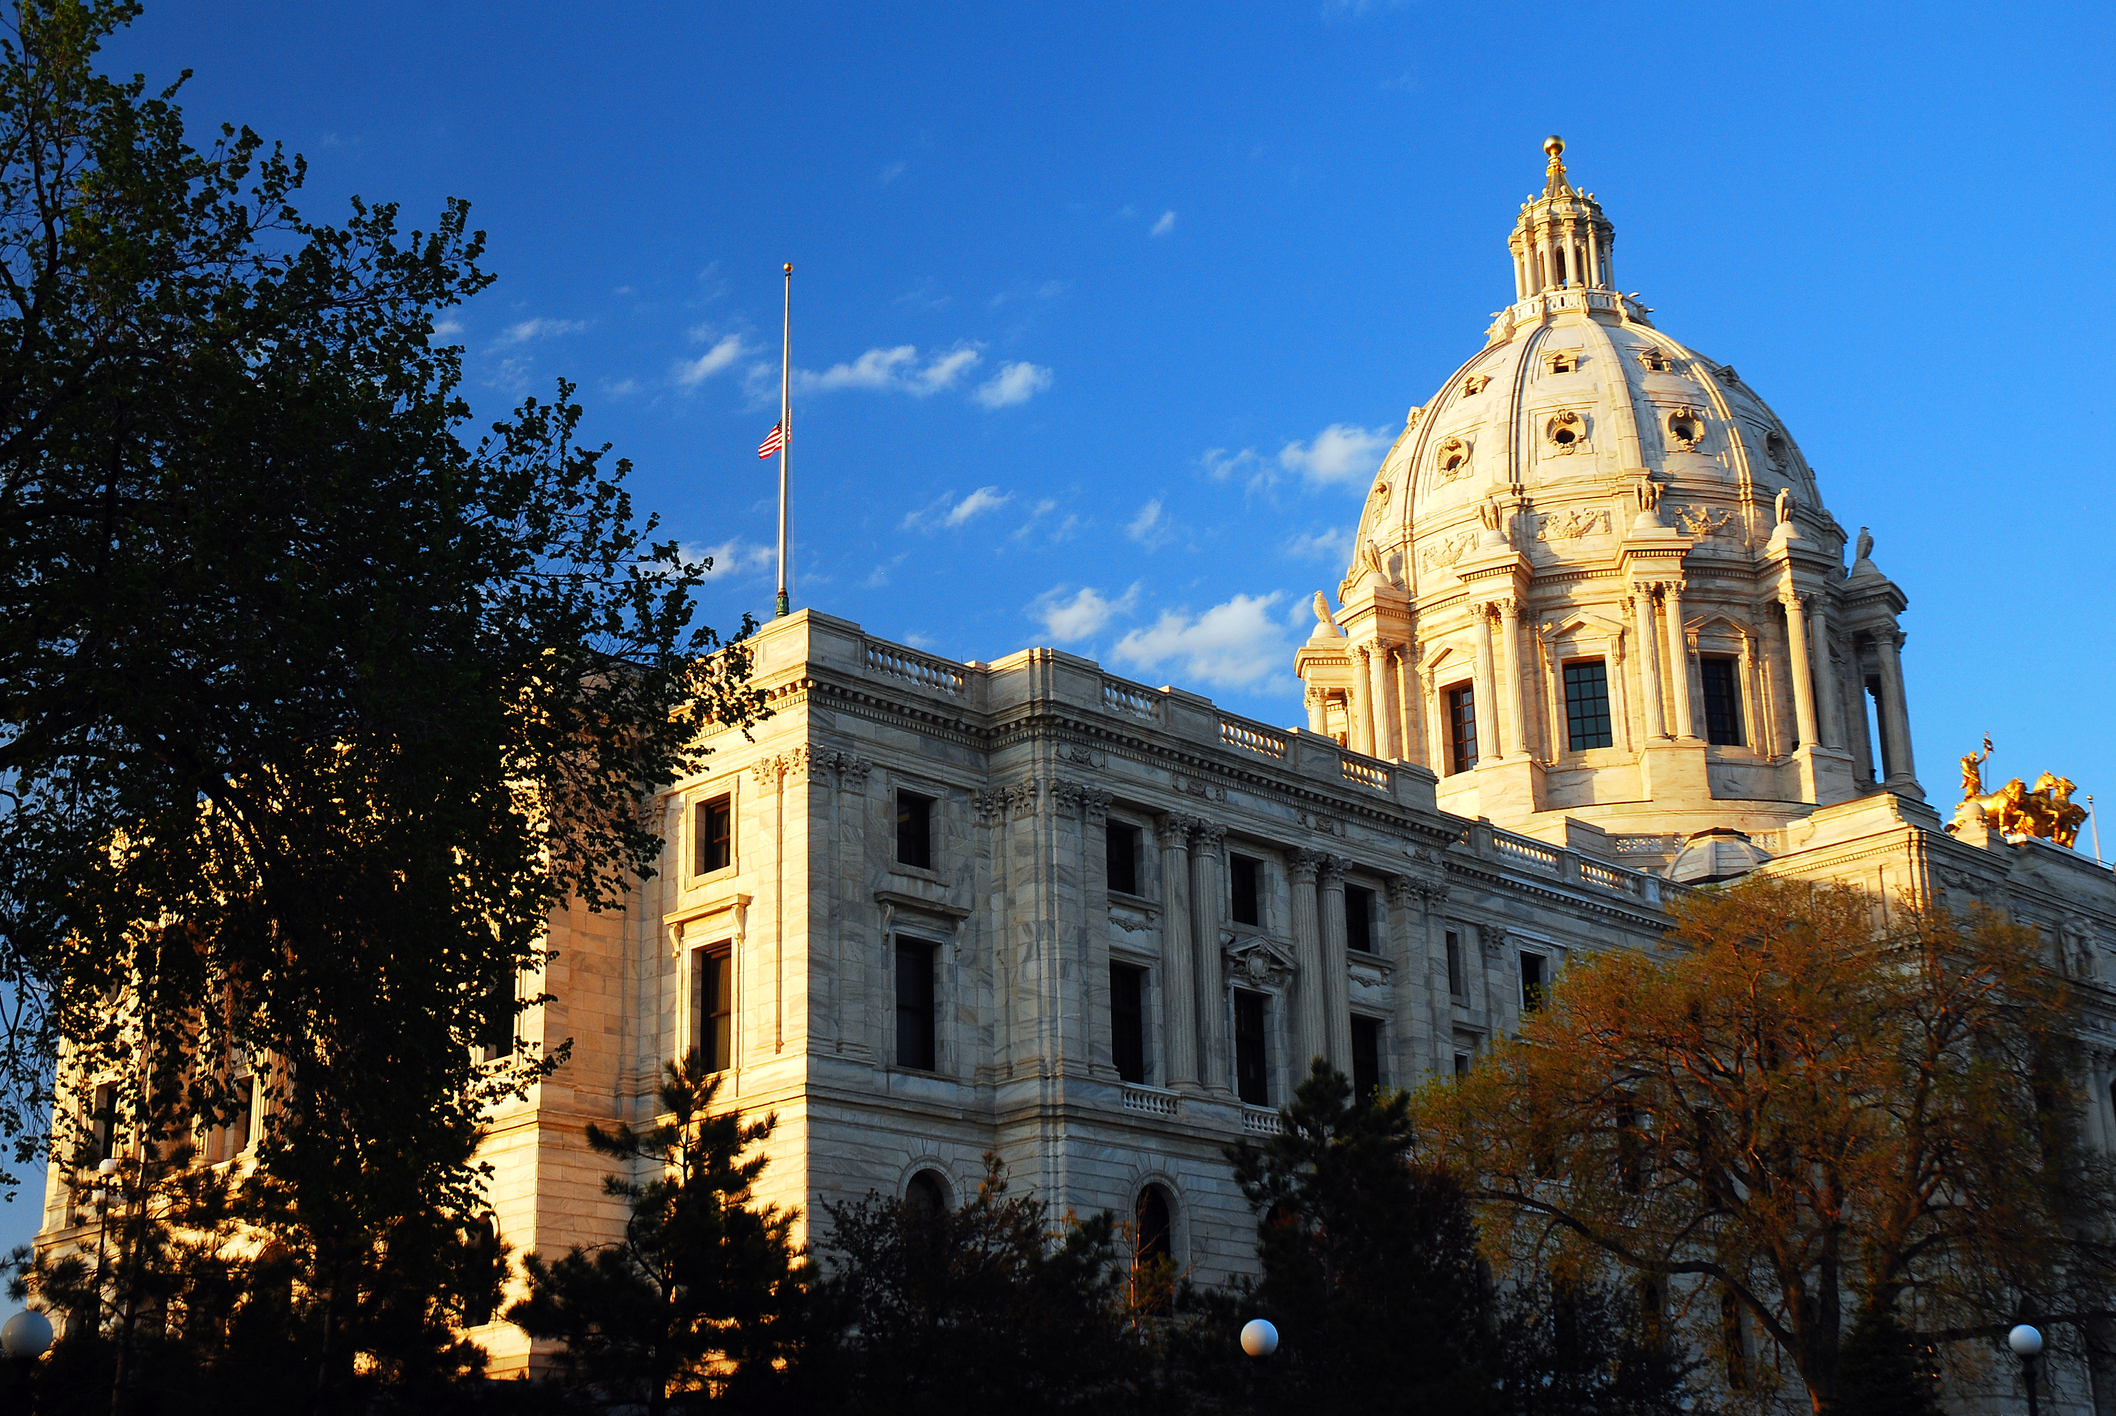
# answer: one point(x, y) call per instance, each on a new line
point(1587, 718)
point(1252, 1038)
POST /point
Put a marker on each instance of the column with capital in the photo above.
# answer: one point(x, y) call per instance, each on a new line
point(1206, 841)
point(1516, 697)
point(1648, 661)
point(1487, 698)
point(1408, 984)
point(1336, 962)
point(1895, 711)
point(1803, 663)
point(1678, 659)
point(1318, 722)
point(1827, 707)
point(1311, 1008)
point(1178, 984)
point(1378, 696)
point(1361, 738)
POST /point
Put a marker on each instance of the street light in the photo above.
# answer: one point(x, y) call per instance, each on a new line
point(1259, 1338)
point(2026, 1343)
point(26, 1336)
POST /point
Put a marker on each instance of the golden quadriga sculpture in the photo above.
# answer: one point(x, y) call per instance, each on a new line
point(2046, 809)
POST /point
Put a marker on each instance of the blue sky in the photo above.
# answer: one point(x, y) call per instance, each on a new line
point(1105, 312)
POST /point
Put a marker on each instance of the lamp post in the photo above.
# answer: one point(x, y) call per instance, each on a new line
point(2027, 1344)
point(1259, 1340)
point(100, 1197)
point(24, 1338)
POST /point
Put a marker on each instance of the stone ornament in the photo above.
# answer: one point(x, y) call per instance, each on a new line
point(1451, 460)
point(1474, 384)
point(1702, 520)
point(1654, 362)
point(1565, 432)
point(1572, 524)
point(1442, 554)
point(1257, 961)
point(1686, 429)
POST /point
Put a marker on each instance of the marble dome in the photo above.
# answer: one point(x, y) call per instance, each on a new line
point(1594, 580)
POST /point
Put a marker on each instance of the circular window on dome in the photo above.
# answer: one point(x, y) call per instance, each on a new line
point(1685, 429)
point(1775, 448)
point(1565, 431)
point(1451, 459)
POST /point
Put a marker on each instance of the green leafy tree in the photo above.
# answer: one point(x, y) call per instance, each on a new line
point(988, 1306)
point(1370, 1263)
point(1802, 1118)
point(313, 705)
point(703, 1298)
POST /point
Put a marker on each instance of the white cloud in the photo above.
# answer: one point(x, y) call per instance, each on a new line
point(527, 330)
point(692, 372)
point(1332, 544)
point(734, 557)
point(946, 511)
point(1220, 464)
point(1150, 528)
point(447, 328)
point(897, 368)
point(1231, 645)
point(1085, 613)
point(1166, 224)
point(890, 173)
point(623, 388)
point(1014, 383)
point(1339, 453)
point(943, 370)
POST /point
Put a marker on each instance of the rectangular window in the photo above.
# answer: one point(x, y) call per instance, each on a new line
point(1359, 919)
point(1127, 1021)
point(1366, 1057)
point(1587, 705)
point(1456, 986)
point(103, 1121)
point(914, 830)
point(232, 1137)
point(1462, 1064)
point(1462, 727)
point(496, 1016)
point(715, 835)
point(915, 1016)
point(1879, 737)
point(1123, 850)
point(1251, 1053)
point(1532, 982)
point(1242, 873)
point(1722, 680)
point(713, 1007)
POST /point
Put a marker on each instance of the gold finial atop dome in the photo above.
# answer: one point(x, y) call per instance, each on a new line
point(1554, 184)
point(1554, 145)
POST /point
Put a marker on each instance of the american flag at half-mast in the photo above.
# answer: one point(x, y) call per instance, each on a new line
point(774, 441)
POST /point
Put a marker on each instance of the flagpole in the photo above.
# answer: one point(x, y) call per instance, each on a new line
point(785, 431)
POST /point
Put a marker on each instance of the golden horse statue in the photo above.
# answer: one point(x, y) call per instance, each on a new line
point(2046, 810)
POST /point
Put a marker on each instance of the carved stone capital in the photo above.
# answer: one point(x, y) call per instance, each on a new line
point(849, 768)
point(1172, 832)
point(1330, 871)
point(1302, 863)
point(1402, 891)
point(1095, 803)
point(1023, 797)
point(1207, 835)
point(990, 804)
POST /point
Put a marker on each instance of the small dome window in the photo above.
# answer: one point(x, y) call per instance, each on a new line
point(1452, 458)
point(1685, 429)
point(1776, 449)
point(1565, 361)
point(1654, 361)
point(1474, 384)
point(1565, 431)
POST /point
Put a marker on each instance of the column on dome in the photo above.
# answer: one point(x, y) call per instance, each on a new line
point(1803, 666)
point(1895, 711)
point(1487, 696)
point(1361, 738)
point(1179, 981)
point(1678, 659)
point(1207, 839)
point(1410, 710)
point(1336, 962)
point(1378, 693)
point(1311, 1016)
point(1520, 277)
point(1516, 694)
point(1594, 257)
point(1648, 661)
point(1318, 722)
point(1827, 707)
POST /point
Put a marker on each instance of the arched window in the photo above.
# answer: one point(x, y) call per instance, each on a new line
point(1153, 1268)
point(927, 1194)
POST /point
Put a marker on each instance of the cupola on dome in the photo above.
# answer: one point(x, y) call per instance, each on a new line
point(1595, 579)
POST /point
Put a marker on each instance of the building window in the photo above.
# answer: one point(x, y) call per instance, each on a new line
point(915, 1015)
point(1252, 1056)
point(231, 1137)
point(1127, 1021)
point(715, 835)
point(1587, 704)
point(1122, 847)
point(1366, 1058)
point(1462, 727)
point(1359, 919)
point(496, 1015)
point(1877, 739)
point(1457, 987)
point(914, 830)
point(1156, 1228)
point(1242, 875)
point(103, 1121)
point(1533, 982)
point(713, 1007)
point(1722, 682)
point(485, 1268)
point(926, 1193)
point(1462, 1064)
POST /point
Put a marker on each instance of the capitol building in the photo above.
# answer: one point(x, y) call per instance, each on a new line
point(1602, 640)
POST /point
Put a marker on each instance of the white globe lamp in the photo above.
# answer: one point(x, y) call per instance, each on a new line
point(1259, 1338)
point(26, 1336)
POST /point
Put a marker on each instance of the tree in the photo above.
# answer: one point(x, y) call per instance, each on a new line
point(312, 707)
point(985, 1307)
point(703, 1298)
point(1803, 1114)
point(1369, 1257)
point(1573, 1347)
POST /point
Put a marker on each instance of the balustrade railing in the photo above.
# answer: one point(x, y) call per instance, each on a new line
point(1151, 1101)
point(1367, 774)
point(1121, 697)
point(1252, 737)
point(1262, 1121)
point(923, 671)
